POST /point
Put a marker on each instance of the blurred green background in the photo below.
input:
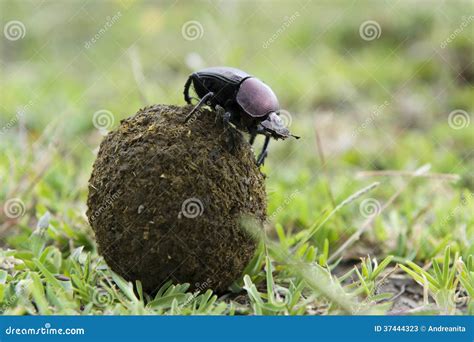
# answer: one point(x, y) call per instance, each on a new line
point(386, 85)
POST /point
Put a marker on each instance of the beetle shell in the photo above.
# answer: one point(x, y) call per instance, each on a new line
point(228, 74)
point(256, 98)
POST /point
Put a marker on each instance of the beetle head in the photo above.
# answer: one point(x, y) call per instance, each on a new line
point(274, 126)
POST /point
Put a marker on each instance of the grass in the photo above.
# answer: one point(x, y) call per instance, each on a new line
point(371, 212)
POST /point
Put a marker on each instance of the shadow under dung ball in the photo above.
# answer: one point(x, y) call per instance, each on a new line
point(167, 199)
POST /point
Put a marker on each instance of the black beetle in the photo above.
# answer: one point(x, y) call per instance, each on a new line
point(243, 100)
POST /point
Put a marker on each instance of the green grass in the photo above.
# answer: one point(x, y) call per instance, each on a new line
point(376, 198)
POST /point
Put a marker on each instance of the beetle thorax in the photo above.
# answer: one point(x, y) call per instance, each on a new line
point(256, 98)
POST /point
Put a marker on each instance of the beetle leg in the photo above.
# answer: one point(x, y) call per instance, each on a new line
point(226, 116)
point(187, 86)
point(220, 110)
point(187, 98)
point(263, 154)
point(201, 102)
point(253, 135)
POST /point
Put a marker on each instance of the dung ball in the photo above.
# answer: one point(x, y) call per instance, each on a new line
point(167, 199)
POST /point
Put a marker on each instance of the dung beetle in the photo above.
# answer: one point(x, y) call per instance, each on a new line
point(242, 99)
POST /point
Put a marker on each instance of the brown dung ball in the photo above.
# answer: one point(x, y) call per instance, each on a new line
point(167, 199)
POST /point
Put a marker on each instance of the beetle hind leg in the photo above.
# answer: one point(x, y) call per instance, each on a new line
point(187, 98)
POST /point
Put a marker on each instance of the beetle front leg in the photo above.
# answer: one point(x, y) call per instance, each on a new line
point(201, 103)
point(253, 135)
point(263, 154)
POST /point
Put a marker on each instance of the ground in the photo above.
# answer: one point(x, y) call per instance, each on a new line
point(371, 211)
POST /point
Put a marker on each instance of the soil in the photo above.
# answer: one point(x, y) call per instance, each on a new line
point(167, 199)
